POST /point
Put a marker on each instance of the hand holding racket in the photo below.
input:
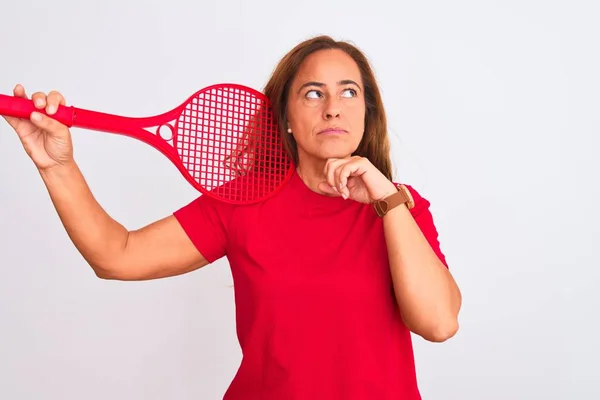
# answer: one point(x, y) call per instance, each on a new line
point(46, 141)
point(223, 139)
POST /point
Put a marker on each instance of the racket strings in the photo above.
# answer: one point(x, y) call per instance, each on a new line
point(229, 142)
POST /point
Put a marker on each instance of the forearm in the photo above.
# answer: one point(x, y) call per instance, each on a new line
point(98, 237)
point(426, 292)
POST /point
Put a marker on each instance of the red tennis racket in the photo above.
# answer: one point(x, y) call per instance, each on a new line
point(223, 139)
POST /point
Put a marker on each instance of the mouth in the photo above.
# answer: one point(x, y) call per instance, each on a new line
point(332, 131)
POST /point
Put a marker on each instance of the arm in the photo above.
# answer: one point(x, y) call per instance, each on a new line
point(158, 250)
point(428, 298)
point(427, 294)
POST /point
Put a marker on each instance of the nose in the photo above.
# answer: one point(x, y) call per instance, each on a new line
point(332, 110)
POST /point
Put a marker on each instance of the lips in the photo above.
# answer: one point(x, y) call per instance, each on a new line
point(334, 130)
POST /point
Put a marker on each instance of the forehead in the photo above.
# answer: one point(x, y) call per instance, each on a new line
point(328, 66)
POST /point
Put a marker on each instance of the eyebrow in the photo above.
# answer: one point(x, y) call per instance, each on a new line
point(320, 84)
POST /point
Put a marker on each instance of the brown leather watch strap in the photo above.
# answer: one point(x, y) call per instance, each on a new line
point(401, 197)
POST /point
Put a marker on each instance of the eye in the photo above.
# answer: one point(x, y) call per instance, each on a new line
point(313, 94)
point(349, 93)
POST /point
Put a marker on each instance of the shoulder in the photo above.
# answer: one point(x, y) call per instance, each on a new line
point(204, 211)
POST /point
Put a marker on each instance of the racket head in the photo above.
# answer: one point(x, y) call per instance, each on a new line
point(229, 144)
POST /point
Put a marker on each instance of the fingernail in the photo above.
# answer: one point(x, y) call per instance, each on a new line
point(36, 116)
point(39, 102)
point(51, 109)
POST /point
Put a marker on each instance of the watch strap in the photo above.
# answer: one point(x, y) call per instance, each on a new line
point(402, 196)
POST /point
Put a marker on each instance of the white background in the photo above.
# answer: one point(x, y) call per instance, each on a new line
point(494, 115)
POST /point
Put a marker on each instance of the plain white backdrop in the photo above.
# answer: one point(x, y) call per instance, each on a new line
point(494, 114)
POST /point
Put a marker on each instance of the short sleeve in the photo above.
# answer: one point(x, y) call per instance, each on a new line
point(205, 222)
point(422, 214)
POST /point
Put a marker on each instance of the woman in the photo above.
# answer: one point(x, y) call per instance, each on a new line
point(327, 288)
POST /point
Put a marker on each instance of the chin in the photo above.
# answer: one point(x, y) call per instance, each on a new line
point(328, 152)
point(326, 149)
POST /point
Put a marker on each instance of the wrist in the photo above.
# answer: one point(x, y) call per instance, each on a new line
point(401, 196)
point(389, 189)
point(399, 209)
point(58, 171)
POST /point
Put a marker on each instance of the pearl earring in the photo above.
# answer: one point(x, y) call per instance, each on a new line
point(289, 130)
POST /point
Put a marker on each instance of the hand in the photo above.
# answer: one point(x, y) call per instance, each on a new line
point(46, 141)
point(357, 179)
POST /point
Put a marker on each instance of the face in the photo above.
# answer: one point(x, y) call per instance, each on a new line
point(326, 106)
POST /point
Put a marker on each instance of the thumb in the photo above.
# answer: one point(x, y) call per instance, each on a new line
point(325, 188)
point(50, 125)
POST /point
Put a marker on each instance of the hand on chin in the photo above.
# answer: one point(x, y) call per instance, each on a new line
point(355, 178)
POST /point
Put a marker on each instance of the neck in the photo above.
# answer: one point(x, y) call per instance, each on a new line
point(312, 172)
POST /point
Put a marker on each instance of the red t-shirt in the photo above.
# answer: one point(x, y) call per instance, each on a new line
point(315, 309)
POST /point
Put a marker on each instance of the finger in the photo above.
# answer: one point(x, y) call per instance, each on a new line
point(356, 167)
point(334, 168)
point(328, 163)
point(330, 170)
point(53, 100)
point(345, 171)
point(325, 188)
point(340, 173)
point(341, 177)
point(39, 99)
point(18, 91)
point(48, 124)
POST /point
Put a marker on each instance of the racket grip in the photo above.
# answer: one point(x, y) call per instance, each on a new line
point(11, 106)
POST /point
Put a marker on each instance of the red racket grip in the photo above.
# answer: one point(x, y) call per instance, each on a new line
point(12, 106)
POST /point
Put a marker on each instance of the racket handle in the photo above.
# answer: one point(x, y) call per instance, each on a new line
point(11, 106)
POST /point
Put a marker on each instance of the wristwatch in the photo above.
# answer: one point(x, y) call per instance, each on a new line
point(403, 196)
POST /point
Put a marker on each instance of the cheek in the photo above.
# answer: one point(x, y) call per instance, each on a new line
point(305, 118)
point(356, 114)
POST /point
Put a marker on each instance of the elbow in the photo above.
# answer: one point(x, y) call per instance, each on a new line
point(121, 272)
point(104, 272)
point(436, 331)
point(108, 271)
point(440, 332)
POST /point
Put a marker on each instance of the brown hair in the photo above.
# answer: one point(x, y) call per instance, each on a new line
point(375, 144)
